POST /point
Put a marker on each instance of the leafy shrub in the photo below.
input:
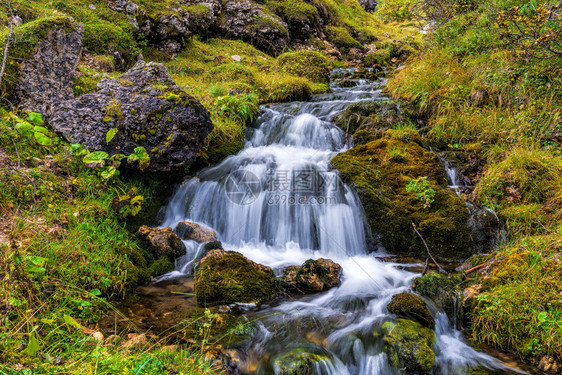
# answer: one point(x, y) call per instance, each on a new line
point(532, 31)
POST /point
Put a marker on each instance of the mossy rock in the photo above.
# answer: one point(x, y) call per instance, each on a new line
point(310, 64)
point(391, 53)
point(287, 89)
point(103, 36)
point(410, 306)
point(409, 346)
point(228, 277)
point(442, 289)
point(381, 170)
point(161, 266)
point(367, 121)
point(300, 361)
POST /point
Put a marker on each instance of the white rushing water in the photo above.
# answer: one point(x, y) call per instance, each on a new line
point(279, 203)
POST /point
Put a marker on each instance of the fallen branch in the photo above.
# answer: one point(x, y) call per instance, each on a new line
point(441, 269)
point(6, 47)
point(475, 268)
point(426, 268)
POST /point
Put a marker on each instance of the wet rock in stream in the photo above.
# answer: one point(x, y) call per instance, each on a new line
point(313, 276)
point(229, 277)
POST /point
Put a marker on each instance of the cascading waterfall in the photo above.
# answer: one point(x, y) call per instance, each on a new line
point(279, 203)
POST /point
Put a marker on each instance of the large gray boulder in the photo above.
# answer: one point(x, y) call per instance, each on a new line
point(46, 78)
point(249, 21)
point(147, 109)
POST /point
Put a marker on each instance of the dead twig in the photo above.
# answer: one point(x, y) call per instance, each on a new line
point(426, 268)
point(6, 48)
point(475, 268)
point(441, 269)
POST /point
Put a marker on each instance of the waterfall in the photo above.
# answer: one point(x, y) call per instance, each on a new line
point(279, 203)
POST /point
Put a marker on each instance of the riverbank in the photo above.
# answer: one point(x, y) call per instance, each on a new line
point(496, 104)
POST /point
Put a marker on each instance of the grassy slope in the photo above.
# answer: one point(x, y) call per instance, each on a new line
point(63, 252)
point(483, 98)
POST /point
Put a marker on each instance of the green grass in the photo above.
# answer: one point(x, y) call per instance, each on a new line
point(523, 312)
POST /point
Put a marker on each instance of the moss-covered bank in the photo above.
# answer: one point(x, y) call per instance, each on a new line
point(400, 184)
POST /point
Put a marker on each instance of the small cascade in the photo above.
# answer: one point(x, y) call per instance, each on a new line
point(456, 181)
point(279, 203)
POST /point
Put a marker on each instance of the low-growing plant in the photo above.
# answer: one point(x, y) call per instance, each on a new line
point(241, 108)
point(423, 189)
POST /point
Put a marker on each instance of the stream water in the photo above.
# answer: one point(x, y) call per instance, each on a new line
point(278, 203)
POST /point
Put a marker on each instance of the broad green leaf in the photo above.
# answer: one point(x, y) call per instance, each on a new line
point(95, 156)
point(95, 159)
point(110, 134)
point(40, 129)
point(77, 149)
point(24, 128)
point(141, 156)
point(32, 345)
point(42, 139)
point(95, 292)
point(71, 322)
point(36, 118)
point(109, 172)
point(543, 317)
point(15, 302)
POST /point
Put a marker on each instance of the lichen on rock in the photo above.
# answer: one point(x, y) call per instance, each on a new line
point(313, 276)
point(147, 108)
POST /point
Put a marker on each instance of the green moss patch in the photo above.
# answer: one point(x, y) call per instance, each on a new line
point(310, 64)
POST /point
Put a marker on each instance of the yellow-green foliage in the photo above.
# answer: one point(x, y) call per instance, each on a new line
point(341, 37)
point(478, 94)
point(397, 10)
point(524, 188)
point(208, 72)
point(64, 254)
point(524, 176)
